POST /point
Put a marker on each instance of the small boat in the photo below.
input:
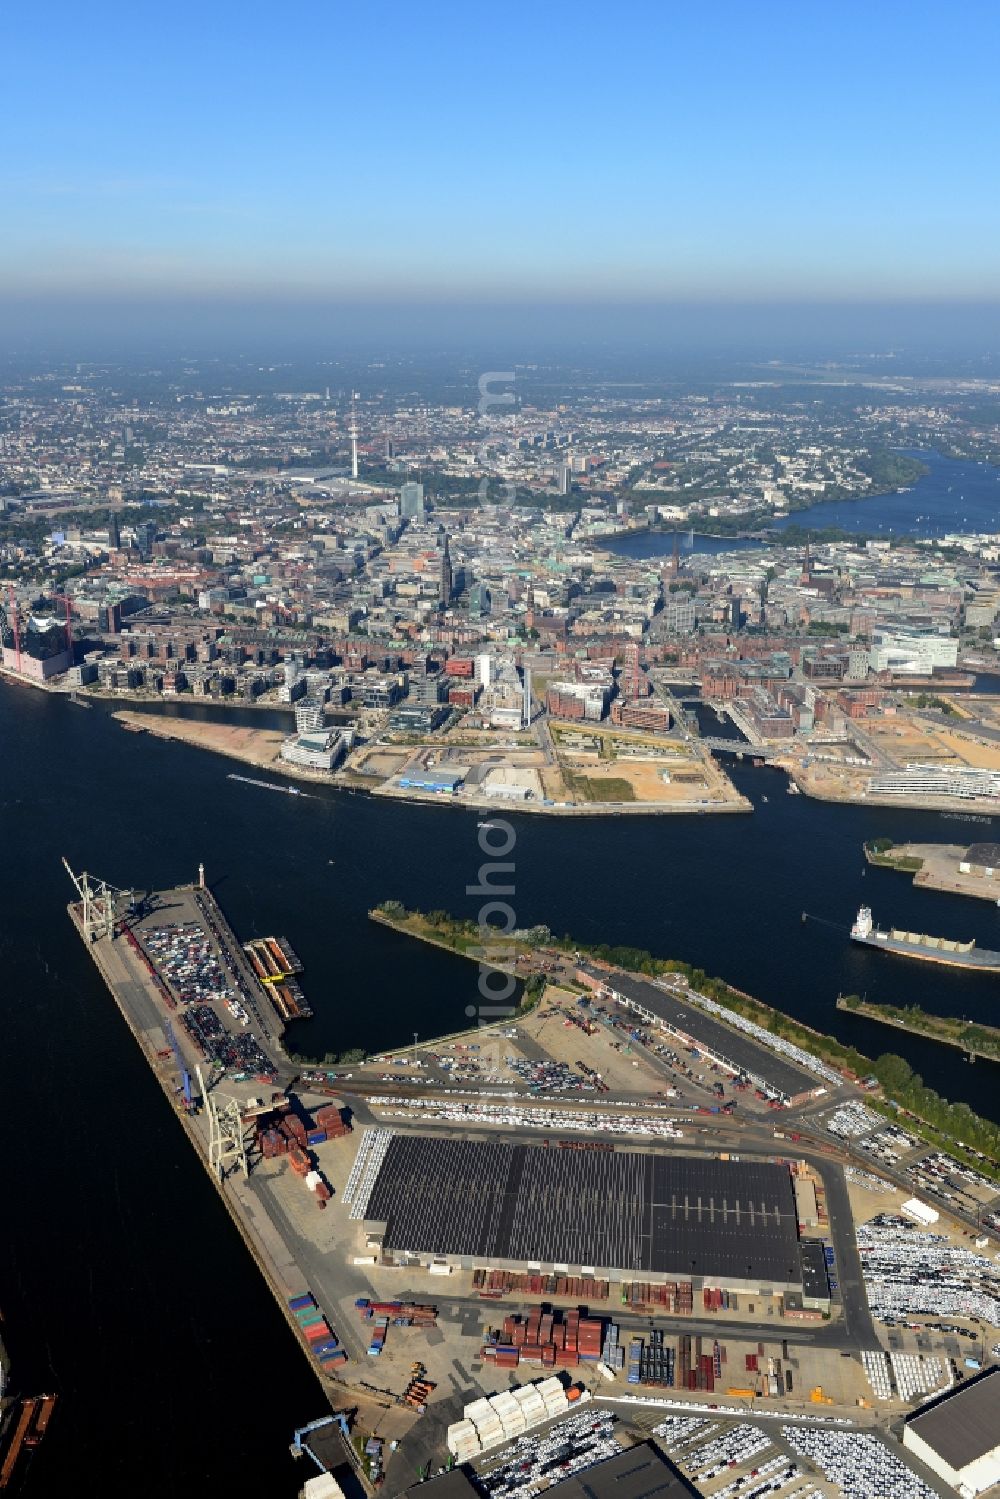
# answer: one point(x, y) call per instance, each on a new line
point(265, 785)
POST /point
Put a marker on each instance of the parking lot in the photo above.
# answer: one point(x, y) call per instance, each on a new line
point(911, 1272)
point(219, 1010)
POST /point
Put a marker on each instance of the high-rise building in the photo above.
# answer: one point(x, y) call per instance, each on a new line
point(411, 500)
point(447, 577)
point(145, 535)
point(114, 532)
point(480, 600)
point(565, 478)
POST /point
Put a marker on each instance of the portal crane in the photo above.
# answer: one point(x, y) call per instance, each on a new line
point(299, 1445)
point(102, 903)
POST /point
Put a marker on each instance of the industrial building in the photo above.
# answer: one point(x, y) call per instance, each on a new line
point(773, 1074)
point(958, 1435)
point(638, 1472)
point(815, 1280)
point(605, 1212)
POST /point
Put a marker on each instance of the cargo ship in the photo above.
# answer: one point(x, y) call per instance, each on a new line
point(917, 945)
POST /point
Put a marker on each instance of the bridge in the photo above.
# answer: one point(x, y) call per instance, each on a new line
point(743, 750)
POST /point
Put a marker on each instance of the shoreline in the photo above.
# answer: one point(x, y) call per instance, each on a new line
point(258, 748)
point(982, 810)
point(267, 1258)
point(879, 1013)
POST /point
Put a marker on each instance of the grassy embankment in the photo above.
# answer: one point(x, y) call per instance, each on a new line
point(882, 851)
point(976, 1040)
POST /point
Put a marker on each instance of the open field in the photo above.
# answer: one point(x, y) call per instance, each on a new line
point(257, 747)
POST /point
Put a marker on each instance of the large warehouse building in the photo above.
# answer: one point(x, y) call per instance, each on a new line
point(774, 1074)
point(610, 1213)
point(958, 1436)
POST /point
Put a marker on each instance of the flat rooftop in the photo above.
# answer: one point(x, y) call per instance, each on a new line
point(640, 1472)
point(965, 1423)
point(740, 1051)
point(612, 1210)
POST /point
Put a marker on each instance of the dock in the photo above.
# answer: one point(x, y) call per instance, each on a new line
point(275, 966)
point(241, 1067)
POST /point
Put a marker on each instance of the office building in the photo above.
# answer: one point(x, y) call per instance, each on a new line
point(411, 500)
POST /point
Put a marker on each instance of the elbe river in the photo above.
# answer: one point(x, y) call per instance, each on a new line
point(123, 1284)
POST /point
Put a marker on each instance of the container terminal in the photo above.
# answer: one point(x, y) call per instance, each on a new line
point(438, 1233)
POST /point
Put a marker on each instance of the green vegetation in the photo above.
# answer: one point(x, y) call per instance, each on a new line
point(950, 1125)
point(926, 700)
point(489, 944)
point(978, 1040)
point(880, 851)
point(827, 627)
point(599, 788)
point(331, 1059)
point(888, 470)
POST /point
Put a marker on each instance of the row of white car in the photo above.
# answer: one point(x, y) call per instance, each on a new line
point(860, 1465)
point(521, 1116)
point(909, 1271)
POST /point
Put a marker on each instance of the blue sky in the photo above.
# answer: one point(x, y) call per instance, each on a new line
point(551, 151)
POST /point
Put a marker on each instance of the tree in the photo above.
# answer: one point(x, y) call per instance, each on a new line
point(894, 1073)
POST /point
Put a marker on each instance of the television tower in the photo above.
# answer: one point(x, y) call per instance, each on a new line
point(353, 430)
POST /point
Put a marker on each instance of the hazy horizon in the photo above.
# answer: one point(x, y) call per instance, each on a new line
point(376, 171)
point(900, 336)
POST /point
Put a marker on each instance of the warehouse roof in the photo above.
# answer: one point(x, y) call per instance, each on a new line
point(965, 1423)
point(496, 1200)
point(636, 1473)
point(455, 1484)
point(741, 1051)
point(815, 1281)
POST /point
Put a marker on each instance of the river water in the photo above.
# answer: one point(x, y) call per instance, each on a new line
point(952, 496)
point(123, 1283)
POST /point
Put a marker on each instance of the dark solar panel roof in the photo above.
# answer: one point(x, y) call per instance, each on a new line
point(987, 855)
point(742, 1052)
point(625, 1210)
point(964, 1424)
point(636, 1473)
